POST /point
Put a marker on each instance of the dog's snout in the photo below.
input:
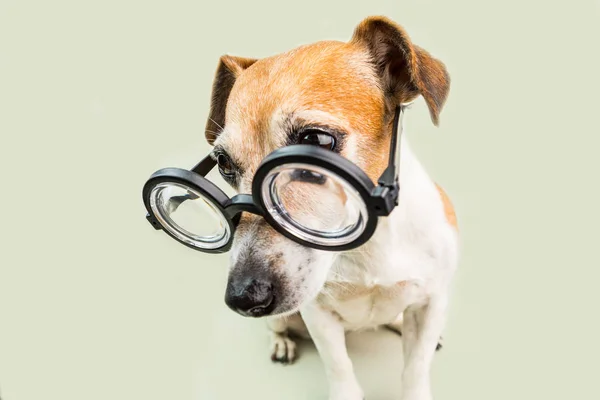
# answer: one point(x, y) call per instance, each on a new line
point(252, 297)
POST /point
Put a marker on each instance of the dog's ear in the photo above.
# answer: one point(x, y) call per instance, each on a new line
point(406, 69)
point(229, 69)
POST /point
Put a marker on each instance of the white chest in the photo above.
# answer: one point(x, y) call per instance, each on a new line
point(406, 260)
point(364, 307)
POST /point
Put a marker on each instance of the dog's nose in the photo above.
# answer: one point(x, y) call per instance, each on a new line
point(252, 297)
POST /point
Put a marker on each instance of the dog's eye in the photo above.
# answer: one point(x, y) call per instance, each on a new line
point(318, 138)
point(225, 165)
point(304, 175)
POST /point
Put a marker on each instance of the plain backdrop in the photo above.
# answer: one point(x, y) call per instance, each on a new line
point(97, 95)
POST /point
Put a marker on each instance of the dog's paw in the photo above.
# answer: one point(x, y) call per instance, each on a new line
point(346, 391)
point(283, 349)
point(422, 395)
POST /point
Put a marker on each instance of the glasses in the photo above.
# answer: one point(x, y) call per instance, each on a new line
point(310, 195)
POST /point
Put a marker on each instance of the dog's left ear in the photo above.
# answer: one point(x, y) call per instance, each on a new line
point(229, 69)
point(406, 69)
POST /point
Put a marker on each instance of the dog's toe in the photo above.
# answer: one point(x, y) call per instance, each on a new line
point(283, 349)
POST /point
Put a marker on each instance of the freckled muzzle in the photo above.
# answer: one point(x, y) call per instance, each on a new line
point(310, 195)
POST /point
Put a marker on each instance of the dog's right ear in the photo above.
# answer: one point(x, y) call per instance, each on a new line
point(229, 69)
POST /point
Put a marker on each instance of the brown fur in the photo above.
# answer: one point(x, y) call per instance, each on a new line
point(228, 70)
point(352, 86)
point(407, 69)
point(448, 207)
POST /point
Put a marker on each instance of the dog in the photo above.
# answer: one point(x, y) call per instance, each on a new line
point(401, 277)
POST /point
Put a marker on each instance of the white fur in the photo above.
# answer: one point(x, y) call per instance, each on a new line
point(415, 245)
point(410, 260)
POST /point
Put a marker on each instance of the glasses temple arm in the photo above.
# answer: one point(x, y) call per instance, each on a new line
point(389, 177)
point(204, 166)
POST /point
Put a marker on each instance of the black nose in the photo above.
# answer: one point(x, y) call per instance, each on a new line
point(249, 296)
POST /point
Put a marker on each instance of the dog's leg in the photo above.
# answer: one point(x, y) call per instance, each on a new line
point(396, 327)
point(329, 337)
point(421, 331)
point(283, 349)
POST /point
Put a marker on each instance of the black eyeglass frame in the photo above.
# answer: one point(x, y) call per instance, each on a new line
point(380, 199)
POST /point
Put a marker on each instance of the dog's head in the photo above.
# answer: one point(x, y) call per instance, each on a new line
point(338, 95)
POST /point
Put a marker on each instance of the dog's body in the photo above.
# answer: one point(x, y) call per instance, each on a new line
point(401, 277)
point(408, 263)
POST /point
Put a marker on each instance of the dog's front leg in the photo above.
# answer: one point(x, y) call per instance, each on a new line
point(421, 330)
point(329, 337)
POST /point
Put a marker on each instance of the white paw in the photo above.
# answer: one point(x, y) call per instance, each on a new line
point(283, 349)
point(422, 393)
point(415, 397)
point(347, 391)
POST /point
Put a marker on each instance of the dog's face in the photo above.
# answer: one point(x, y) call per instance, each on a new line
point(339, 96)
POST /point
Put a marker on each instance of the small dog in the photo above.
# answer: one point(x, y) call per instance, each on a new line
point(399, 279)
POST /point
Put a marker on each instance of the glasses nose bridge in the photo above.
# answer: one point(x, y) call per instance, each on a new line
point(242, 203)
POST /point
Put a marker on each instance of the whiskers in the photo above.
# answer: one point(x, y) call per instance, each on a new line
point(216, 123)
point(215, 134)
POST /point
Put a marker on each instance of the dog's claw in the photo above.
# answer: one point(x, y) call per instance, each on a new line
point(283, 349)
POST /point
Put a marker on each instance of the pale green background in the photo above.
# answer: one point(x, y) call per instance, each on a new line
point(96, 95)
